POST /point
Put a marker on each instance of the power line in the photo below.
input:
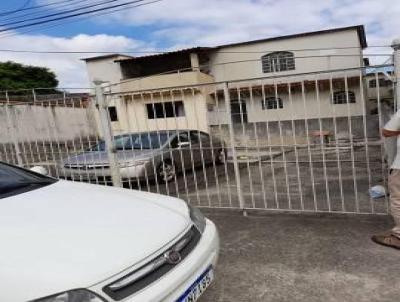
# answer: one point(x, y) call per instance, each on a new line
point(60, 13)
point(70, 16)
point(35, 7)
point(23, 6)
point(70, 3)
point(78, 19)
point(274, 76)
point(27, 2)
point(305, 57)
point(270, 77)
point(166, 52)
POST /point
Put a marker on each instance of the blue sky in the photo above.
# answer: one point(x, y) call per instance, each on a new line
point(174, 24)
point(88, 25)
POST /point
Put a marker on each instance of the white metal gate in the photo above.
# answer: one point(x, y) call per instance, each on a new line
point(304, 142)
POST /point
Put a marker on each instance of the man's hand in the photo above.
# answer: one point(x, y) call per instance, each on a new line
point(390, 133)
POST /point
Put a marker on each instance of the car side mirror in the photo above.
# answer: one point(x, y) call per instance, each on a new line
point(40, 169)
point(183, 144)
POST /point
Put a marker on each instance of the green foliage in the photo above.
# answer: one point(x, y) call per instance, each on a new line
point(15, 76)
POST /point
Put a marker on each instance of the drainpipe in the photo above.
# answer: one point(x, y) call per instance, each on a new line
point(396, 62)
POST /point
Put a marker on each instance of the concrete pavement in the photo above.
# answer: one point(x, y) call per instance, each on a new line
point(289, 257)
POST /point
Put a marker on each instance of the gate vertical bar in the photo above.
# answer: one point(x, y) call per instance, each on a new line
point(12, 130)
point(232, 139)
point(107, 133)
point(396, 62)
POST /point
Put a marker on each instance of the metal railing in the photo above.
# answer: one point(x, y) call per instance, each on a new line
point(305, 143)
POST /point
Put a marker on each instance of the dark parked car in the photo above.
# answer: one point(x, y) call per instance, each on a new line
point(158, 154)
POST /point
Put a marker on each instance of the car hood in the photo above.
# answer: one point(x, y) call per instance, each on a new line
point(101, 157)
point(72, 235)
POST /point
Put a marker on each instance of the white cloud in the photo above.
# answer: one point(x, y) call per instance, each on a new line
point(210, 22)
point(69, 68)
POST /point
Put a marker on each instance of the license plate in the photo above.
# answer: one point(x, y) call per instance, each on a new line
point(198, 287)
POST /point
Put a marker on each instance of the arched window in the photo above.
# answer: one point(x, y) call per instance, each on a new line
point(278, 61)
point(271, 103)
point(340, 97)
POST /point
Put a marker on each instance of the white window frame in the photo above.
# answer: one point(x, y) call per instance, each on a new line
point(162, 110)
point(278, 61)
point(343, 97)
point(271, 103)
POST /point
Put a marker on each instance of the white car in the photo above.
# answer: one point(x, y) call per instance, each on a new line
point(74, 242)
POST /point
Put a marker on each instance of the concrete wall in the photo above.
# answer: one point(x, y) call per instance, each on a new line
point(37, 123)
point(295, 106)
point(323, 59)
point(104, 69)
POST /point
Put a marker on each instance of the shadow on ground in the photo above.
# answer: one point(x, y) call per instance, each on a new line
point(289, 257)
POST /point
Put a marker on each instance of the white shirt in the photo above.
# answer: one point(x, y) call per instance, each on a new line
point(394, 125)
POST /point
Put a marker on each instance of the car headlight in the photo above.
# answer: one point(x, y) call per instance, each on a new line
point(132, 163)
point(79, 295)
point(198, 218)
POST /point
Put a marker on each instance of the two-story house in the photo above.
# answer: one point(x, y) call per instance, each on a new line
point(309, 77)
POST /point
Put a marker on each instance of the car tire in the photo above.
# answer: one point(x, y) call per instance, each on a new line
point(220, 156)
point(166, 172)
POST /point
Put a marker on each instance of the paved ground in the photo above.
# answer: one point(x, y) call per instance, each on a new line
point(282, 257)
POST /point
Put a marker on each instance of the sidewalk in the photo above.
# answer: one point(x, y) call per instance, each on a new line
point(283, 257)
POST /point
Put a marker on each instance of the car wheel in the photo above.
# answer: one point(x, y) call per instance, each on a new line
point(220, 157)
point(166, 172)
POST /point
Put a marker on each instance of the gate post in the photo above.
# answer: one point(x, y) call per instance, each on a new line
point(107, 134)
point(227, 98)
point(396, 62)
point(10, 116)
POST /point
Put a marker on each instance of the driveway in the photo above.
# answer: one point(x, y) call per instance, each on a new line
point(306, 180)
point(283, 257)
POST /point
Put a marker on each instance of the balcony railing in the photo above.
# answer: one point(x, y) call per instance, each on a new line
point(186, 78)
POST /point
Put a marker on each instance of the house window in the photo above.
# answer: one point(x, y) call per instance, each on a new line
point(271, 103)
point(112, 111)
point(165, 110)
point(382, 83)
point(340, 97)
point(278, 61)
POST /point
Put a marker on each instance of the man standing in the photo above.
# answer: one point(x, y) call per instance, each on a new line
point(392, 237)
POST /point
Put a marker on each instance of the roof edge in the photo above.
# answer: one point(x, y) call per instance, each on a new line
point(107, 56)
point(360, 30)
point(158, 54)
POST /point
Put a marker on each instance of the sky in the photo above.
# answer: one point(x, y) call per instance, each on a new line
point(174, 24)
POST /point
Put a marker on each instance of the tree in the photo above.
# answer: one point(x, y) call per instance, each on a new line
point(14, 76)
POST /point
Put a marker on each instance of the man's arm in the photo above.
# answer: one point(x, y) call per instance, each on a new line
point(390, 133)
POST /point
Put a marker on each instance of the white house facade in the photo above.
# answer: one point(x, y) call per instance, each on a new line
point(314, 75)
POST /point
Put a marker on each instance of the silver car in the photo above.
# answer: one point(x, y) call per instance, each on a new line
point(159, 155)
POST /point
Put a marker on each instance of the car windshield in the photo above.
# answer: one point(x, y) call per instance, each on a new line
point(14, 180)
point(150, 140)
